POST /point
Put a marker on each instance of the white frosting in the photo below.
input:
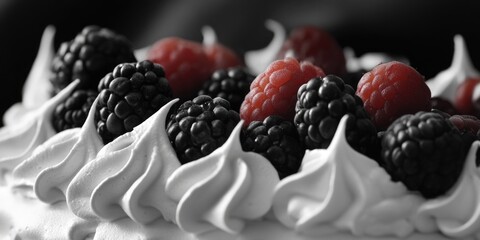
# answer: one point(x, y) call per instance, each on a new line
point(258, 60)
point(25, 218)
point(17, 141)
point(445, 83)
point(367, 61)
point(458, 214)
point(339, 189)
point(37, 88)
point(53, 164)
point(128, 175)
point(224, 189)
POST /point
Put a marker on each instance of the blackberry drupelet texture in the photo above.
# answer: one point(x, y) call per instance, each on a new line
point(231, 84)
point(321, 103)
point(89, 56)
point(129, 95)
point(425, 151)
point(200, 126)
point(277, 140)
point(73, 111)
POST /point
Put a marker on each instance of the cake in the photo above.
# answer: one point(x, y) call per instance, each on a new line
point(76, 184)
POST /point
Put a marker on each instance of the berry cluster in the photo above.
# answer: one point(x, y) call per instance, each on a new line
point(424, 151)
point(231, 84)
point(294, 105)
point(322, 102)
point(73, 112)
point(199, 126)
point(129, 95)
point(188, 65)
point(88, 57)
point(278, 141)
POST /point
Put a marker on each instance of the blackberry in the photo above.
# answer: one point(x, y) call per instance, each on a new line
point(200, 126)
point(424, 151)
point(73, 112)
point(321, 103)
point(129, 95)
point(277, 140)
point(443, 105)
point(89, 56)
point(231, 84)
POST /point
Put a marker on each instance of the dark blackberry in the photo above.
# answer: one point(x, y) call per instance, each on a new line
point(200, 126)
point(277, 140)
point(321, 103)
point(73, 112)
point(424, 151)
point(231, 84)
point(129, 95)
point(89, 56)
point(443, 105)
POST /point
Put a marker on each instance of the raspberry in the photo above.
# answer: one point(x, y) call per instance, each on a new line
point(464, 97)
point(316, 45)
point(273, 92)
point(73, 112)
point(129, 95)
point(89, 56)
point(391, 90)
point(466, 123)
point(185, 63)
point(322, 102)
point(200, 126)
point(277, 140)
point(221, 57)
point(231, 84)
point(425, 152)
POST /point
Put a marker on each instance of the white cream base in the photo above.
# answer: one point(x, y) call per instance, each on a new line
point(24, 218)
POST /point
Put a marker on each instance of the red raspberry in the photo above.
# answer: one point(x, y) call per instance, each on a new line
point(463, 97)
point(221, 57)
point(391, 90)
point(185, 63)
point(466, 123)
point(274, 92)
point(318, 46)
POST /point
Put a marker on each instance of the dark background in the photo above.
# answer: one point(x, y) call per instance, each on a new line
point(422, 30)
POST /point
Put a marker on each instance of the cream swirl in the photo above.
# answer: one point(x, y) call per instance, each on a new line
point(258, 60)
point(458, 213)
point(37, 87)
point(18, 141)
point(368, 61)
point(54, 164)
point(128, 176)
point(339, 189)
point(224, 189)
point(445, 83)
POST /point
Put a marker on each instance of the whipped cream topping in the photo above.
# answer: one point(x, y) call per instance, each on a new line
point(54, 164)
point(445, 83)
point(17, 141)
point(368, 61)
point(258, 60)
point(224, 189)
point(37, 88)
point(458, 214)
point(128, 176)
point(339, 189)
